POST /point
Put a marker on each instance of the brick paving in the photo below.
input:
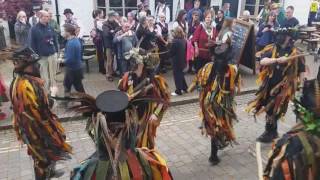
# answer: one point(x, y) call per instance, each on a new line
point(178, 139)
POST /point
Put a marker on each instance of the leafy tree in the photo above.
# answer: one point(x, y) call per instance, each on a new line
point(10, 8)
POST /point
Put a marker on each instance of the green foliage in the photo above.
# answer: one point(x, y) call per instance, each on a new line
point(311, 123)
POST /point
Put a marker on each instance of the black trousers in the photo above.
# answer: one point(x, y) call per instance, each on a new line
point(73, 78)
point(179, 79)
point(100, 57)
point(214, 148)
point(199, 63)
point(271, 121)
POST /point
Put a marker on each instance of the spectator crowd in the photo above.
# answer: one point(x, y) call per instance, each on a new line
point(182, 45)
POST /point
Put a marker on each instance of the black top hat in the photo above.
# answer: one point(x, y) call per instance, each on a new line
point(113, 104)
point(66, 11)
point(112, 101)
point(25, 54)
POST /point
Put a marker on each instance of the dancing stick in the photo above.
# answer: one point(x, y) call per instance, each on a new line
point(259, 160)
point(297, 56)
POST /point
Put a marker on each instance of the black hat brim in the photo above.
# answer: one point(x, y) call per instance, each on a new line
point(112, 101)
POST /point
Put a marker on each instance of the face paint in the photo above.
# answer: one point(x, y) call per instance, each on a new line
point(222, 56)
point(280, 39)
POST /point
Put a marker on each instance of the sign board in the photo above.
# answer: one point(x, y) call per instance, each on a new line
point(243, 44)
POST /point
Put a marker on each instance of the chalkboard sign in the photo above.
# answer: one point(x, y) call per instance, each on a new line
point(243, 44)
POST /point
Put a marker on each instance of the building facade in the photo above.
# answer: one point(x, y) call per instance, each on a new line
point(83, 8)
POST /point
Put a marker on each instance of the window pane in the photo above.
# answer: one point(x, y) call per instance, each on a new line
point(115, 3)
point(250, 9)
point(101, 3)
point(104, 11)
point(169, 3)
point(129, 10)
point(260, 7)
point(262, 3)
point(130, 3)
point(252, 2)
point(118, 10)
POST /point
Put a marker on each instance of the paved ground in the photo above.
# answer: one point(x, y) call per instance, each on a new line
point(178, 139)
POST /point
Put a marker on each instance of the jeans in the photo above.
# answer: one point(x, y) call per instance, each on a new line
point(312, 18)
point(124, 66)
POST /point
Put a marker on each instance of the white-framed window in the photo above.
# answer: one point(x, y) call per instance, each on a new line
point(251, 6)
point(120, 6)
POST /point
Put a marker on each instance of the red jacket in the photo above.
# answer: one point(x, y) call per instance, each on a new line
point(200, 36)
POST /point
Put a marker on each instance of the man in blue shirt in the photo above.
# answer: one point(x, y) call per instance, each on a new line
point(73, 64)
point(42, 39)
point(196, 7)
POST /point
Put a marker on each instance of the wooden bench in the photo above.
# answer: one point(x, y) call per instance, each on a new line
point(303, 36)
point(313, 41)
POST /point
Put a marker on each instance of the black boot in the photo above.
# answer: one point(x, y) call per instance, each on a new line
point(56, 173)
point(213, 159)
point(269, 134)
point(51, 102)
point(52, 172)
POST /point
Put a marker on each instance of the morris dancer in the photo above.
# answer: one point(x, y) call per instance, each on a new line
point(143, 68)
point(114, 123)
point(35, 124)
point(296, 154)
point(218, 82)
point(279, 80)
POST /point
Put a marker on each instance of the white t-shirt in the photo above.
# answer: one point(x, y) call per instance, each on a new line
point(31, 19)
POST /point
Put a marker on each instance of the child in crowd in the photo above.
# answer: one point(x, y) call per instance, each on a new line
point(73, 75)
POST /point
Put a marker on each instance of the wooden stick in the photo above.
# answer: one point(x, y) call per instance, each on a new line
point(259, 160)
point(297, 56)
